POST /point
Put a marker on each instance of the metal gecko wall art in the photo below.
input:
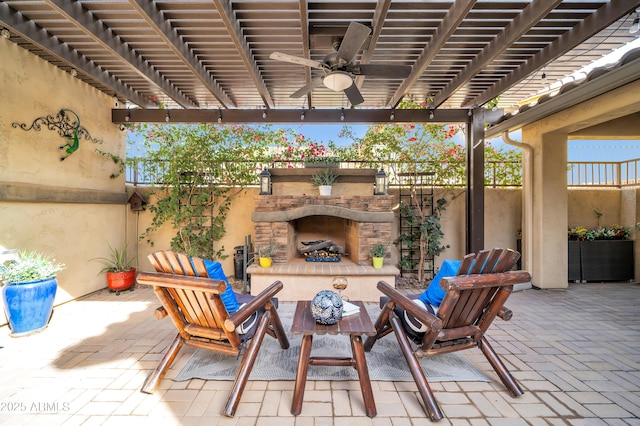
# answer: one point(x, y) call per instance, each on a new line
point(67, 124)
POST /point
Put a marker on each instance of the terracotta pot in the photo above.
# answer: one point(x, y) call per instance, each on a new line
point(118, 281)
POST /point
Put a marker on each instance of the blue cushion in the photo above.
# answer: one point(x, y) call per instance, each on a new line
point(214, 269)
point(434, 293)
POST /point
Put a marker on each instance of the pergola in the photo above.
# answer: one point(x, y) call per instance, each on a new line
point(188, 61)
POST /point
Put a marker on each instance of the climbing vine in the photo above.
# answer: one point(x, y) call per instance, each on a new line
point(200, 169)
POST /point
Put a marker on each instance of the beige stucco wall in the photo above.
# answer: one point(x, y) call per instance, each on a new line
point(46, 204)
point(583, 202)
point(238, 226)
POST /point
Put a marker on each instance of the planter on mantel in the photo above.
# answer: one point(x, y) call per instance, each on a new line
point(324, 190)
point(320, 165)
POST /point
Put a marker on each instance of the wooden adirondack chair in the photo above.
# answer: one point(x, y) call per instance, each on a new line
point(194, 304)
point(473, 299)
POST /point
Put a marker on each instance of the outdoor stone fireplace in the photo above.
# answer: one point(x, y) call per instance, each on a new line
point(295, 213)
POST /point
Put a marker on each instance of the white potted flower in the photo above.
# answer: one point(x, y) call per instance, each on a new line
point(324, 181)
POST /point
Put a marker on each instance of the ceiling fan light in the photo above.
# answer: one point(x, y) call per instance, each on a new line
point(337, 81)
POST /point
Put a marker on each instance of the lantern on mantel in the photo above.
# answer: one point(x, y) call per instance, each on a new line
point(265, 182)
point(381, 183)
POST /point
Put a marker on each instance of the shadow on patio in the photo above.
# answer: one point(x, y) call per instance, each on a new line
point(575, 352)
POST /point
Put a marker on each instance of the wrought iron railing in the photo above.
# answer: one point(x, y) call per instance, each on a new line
point(141, 172)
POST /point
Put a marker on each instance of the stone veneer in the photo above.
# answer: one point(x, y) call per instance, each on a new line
point(367, 221)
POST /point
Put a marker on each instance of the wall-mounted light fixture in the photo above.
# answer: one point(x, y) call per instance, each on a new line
point(302, 115)
point(116, 102)
point(127, 117)
point(219, 115)
point(265, 182)
point(73, 72)
point(167, 118)
point(5, 33)
point(381, 183)
point(342, 115)
point(431, 115)
point(264, 112)
point(393, 115)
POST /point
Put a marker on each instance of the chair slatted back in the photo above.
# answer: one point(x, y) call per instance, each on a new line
point(474, 297)
point(196, 313)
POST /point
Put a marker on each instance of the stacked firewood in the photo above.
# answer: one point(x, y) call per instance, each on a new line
point(321, 250)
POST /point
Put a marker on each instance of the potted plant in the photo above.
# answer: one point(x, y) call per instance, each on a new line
point(29, 288)
point(121, 275)
point(265, 254)
point(603, 253)
point(378, 251)
point(323, 161)
point(324, 180)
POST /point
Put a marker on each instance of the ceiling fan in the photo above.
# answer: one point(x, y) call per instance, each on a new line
point(339, 69)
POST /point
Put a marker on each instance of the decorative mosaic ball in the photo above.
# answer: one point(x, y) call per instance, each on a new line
point(326, 307)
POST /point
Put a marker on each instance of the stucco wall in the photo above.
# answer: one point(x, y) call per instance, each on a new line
point(51, 205)
point(583, 202)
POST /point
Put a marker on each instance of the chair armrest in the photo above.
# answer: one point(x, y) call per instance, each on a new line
point(162, 279)
point(422, 315)
point(247, 310)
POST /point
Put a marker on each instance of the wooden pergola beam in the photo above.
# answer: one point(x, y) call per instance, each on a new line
point(280, 116)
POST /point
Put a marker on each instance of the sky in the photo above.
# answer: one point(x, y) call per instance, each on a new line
point(578, 150)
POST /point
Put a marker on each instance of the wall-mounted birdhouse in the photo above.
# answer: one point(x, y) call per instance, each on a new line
point(136, 202)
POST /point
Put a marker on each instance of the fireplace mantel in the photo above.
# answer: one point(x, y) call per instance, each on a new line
point(304, 175)
point(320, 210)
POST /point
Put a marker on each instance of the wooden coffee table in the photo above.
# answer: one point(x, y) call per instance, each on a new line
point(355, 326)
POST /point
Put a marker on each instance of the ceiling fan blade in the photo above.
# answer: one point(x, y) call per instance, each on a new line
point(353, 40)
point(279, 56)
point(380, 70)
point(316, 82)
point(353, 94)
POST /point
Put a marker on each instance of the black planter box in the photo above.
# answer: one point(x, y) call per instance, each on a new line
point(575, 270)
point(606, 260)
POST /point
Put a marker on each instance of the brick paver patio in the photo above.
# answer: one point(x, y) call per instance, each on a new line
point(575, 352)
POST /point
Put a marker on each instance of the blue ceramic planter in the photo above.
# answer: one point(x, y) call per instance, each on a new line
point(29, 305)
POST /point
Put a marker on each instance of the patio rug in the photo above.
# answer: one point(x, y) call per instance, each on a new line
point(385, 361)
